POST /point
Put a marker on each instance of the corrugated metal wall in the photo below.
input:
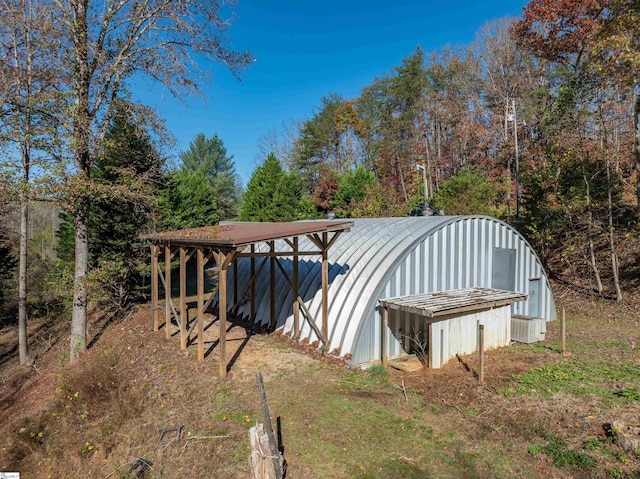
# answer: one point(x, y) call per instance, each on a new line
point(386, 257)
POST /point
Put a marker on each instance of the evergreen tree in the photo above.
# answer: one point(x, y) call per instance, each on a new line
point(258, 204)
point(467, 193)
point(351, 190)
point(209, 156)
point(188, 201)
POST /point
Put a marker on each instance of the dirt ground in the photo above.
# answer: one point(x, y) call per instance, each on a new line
point(89, 421)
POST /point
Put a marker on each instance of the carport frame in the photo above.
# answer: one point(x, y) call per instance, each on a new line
point(225, 244)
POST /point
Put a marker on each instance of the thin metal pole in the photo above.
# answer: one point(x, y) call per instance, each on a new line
point(515, 139)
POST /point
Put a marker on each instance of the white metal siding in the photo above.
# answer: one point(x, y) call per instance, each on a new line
point(385, 257)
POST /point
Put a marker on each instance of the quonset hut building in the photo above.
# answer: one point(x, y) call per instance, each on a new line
point(394, 257)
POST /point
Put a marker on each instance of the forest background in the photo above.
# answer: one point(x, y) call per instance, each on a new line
point(536, 123)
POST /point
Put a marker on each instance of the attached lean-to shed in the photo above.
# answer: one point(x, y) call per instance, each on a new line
point(392, 257)
point(446, 323)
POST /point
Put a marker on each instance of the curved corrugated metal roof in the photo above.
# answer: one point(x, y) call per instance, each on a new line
point(376, 259)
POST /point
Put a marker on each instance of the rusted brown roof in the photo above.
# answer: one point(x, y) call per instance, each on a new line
point(442, 303)
point(233, 235)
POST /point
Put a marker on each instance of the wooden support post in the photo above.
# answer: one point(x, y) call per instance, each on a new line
point(253, 283)
point(222, 313)
point(296, 304)
point(325, 292)
point(272, 287)
point(235, 282)
point(563, 333)
point(167, 291)
point(183, 299)
point(200, 280)
point(383, 335)
point(481, 371)
point(275, 454)
point(154, 287)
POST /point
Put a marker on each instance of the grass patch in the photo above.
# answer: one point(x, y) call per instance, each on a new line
point(562, 456)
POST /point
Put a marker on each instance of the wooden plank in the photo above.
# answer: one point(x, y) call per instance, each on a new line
point(154, 287)
point(275, 454)
point(272, 287)
point(278, 254)
point(481, 348)
point(167, 291)
point(253, 283)
point(235, 283)
point(296, 280)
point(383, 335)
point(183, 299)
point(325, 292)
point(200, 281)
point(222, 314)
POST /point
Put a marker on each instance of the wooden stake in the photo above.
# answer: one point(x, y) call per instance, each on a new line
point(267, 422)
point(200, 280)
point(222, 312)
point(563, 333)
point(167, 291)
point(385, 327)
point(296, 304)
point(183, 299)
point(481, 372)
point(154, 287)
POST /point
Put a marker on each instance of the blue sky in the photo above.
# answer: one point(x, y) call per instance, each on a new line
point(306, 50)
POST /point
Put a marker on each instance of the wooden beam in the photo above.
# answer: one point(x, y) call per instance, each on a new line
point(154, 287)
point(279, 254)
point(383, 334)
point(325, 293)
point(333, 239)
point(171, 305)
point(235, 283)
point(222, 314)
point(167, 291)
point(253, 283)
point(272, 287)
point(200, 281)
point(183, 299)
point(296, 304)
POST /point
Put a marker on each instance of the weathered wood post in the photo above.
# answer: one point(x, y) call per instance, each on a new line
point(260, 469)
point(563, 334)
point(383, 335)
point(481, 371)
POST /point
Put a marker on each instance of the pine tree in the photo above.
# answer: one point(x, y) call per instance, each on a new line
point(209, 156)
point(258, 204)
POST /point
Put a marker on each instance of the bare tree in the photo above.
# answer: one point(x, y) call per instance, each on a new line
point(28, 95)
point(106, 44)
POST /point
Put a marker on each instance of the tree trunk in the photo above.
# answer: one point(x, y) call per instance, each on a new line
point(636, 134)
point(82, 159)
point(612, 244)
point(592, 255)
point(22, 288)
point(79, 315)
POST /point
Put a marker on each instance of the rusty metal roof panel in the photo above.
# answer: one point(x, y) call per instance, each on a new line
point(233, 235)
